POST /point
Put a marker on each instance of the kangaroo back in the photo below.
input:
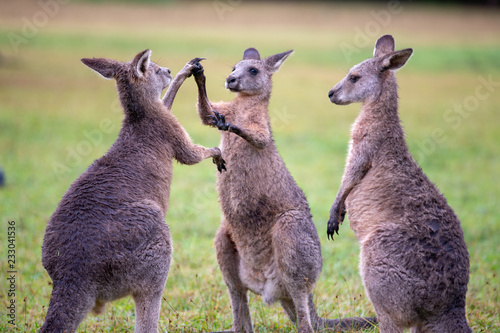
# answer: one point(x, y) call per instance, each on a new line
point(108, 238)
point(414, 260)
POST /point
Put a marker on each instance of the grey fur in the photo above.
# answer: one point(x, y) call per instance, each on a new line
point(267, 241)
point(107, 238)
point(414, 261)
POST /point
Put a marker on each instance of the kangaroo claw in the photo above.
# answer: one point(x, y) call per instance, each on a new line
point(219, 121)
point(198, 68)
point(333, 227)
point(219, 161)
point(336, 218)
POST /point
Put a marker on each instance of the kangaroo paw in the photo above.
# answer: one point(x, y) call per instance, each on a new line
point(333, 227)
point(197, 67)
point(219, 161)
point(219, 120)
point(336, 218)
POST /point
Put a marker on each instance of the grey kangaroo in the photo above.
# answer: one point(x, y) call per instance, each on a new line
point(414, 261)
point(267, 241)
point(107, 238)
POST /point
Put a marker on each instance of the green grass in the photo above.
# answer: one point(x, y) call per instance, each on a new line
point(49, 102)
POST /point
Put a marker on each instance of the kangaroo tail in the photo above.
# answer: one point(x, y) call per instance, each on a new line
point(344, 324)
point(339, 325)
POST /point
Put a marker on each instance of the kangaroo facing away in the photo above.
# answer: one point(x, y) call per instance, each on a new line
point(267, 242)
point(414, 261)
point(107, 238)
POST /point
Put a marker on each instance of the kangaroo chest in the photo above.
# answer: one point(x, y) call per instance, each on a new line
point(244, 188)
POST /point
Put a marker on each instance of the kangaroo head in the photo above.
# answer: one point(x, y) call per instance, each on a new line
point(364, 81)
point(252, 76)
point(138, 78)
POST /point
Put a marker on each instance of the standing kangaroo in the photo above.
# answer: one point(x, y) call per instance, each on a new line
point(414, 262)
point(267, 241)
point(107, 238)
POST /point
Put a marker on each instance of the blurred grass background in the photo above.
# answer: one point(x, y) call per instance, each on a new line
point(54, 111)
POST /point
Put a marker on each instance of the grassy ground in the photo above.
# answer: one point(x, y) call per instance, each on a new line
point(53, 112)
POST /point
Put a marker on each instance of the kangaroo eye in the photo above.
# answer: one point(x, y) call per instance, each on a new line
point(354, 78)
point(234, 69)
point(253, 71)
point(158, 71)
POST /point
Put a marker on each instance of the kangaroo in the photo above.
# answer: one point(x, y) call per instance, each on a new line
point(107, 238)
point(414, 261)
point(267, 241)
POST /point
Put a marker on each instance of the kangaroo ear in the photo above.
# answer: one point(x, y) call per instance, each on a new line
point(383, 46)
point(140, 63)
point(274, 62)
point(105, 67)
point(395, 60)
point(251, 53)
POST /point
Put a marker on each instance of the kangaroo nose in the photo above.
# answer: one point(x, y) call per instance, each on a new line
point(231, 80)
point(168, 70)
point(330, 93)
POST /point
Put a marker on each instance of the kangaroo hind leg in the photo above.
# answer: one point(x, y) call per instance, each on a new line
point(229, 262)
point(147, 312)
point(69, 304)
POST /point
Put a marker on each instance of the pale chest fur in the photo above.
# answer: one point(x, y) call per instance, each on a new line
point(247, 184)
point(371, 204)
point(255, 189)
